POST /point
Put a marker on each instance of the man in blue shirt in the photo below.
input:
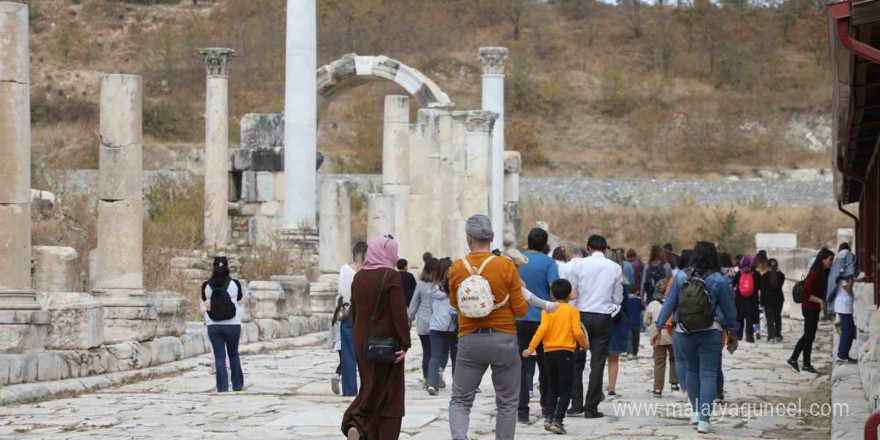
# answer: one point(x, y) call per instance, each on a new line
point(538, 274)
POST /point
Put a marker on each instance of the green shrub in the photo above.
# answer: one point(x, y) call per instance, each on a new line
point(49, 107)
point(723, 227)
point(522, 135)
point(169, 120)
point(178, 207)
point(617, 96)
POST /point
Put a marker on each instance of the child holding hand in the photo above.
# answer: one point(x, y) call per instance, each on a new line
point(561, 333)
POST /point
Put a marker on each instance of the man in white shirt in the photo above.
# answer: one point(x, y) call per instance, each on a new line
point(565, 268)
point(598, 286)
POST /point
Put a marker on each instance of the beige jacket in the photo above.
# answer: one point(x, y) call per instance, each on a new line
point(651, 314)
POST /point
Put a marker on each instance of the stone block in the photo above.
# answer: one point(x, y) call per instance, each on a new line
point(130, 324)
point(279, 186)
point(271, 329)
point(77, 321)
point(21, 368)
point(15, 246)
point(51, 366)
point(269, 300)
point(15, 142)
point(250, 333)
point(195, 344)
point(42, 204)
point(121, 111)
point(20, 338)
point(120, 245)
point(15, 63)
point(240, 159)
point(512, 162)
point(296, 291)
point(335, 225)
point(764, 241)
point(56, 269)
point(262, 130)
point(119, 168)
point(164, 350)
point(265, 186)
point(262, 230)
point(380, 214)
point(322, 297)
point(272, 208)
point(249, 186)
point(171, 313)
point(268, 159)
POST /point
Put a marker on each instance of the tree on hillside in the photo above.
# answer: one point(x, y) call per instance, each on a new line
point(632, 11)
point(514, 10)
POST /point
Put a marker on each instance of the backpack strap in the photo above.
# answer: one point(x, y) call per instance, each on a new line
point(485, 262)
point(470, 268)
point(376, 308)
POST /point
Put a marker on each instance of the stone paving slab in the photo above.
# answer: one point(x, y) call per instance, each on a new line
point(287, 396)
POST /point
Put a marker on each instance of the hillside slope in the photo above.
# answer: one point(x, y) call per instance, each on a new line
point(596, 90)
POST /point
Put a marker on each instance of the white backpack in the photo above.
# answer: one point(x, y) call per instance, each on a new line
point(475, 297)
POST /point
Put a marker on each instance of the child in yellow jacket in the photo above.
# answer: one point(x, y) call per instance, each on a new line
point(561, 332)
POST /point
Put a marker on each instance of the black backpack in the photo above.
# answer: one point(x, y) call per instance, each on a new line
point(695, 311)
point(797, 292)
point(655, 273)
point(222, 307)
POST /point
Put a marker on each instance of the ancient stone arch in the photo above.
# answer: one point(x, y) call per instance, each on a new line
point(352, 71)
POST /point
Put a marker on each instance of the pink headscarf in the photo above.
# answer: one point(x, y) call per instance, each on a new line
point(381, 254)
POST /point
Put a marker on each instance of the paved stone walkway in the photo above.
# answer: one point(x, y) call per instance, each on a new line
point(288, 397)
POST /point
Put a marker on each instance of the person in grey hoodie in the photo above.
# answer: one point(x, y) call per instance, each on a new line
point(420, 309)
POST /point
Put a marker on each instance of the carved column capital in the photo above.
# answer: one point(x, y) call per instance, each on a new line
point(480, 121)
point(217, 60)
point(493, 60)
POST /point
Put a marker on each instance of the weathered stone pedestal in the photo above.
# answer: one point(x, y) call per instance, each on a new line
point(322, 294)
point(334, 226)
point(296, 292)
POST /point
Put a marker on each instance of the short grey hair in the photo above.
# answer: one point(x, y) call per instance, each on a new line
point(479, 227)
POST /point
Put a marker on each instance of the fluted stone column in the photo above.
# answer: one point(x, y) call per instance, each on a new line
point(217, 147)
point(334, 235)
point(300, 114)
point(395, 168)
point(19, 310)
point(119, 280)
point(512, 223)
point(493, 60)
point(479, 143)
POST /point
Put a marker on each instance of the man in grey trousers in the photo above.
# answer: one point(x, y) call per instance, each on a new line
point(489, 341)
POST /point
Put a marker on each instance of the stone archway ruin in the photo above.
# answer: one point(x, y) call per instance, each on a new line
point(352, 71)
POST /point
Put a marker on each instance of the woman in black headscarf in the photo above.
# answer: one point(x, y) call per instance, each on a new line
point(221, 295)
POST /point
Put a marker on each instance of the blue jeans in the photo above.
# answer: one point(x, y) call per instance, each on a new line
point(349, 363)
point(719, 384)
point(224, 339)
point(680, 361)
point(847, 330)
point(442, 344)
point(702, 352)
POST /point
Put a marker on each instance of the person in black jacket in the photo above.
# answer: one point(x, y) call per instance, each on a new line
point(772, 300)
point(747, 297)
point(409, 280)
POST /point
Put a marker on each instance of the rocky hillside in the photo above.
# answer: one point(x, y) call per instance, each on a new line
point(694, 89)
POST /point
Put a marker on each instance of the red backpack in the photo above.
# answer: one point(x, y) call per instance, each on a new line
point(747, 285)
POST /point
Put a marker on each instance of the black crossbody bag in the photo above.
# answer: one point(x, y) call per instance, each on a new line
point(380, 350)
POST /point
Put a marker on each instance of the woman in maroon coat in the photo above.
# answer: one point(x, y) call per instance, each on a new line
point(378, 410)
point(813, 303)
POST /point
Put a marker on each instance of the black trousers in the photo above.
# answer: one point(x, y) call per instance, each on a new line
point(805, 343)
point(525, 331)
point(598, 326)
point(560, 374)
point(773, 312)
point(634, 332)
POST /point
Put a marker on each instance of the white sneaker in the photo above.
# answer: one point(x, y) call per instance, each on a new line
point(353, 434)
point(432, 391)
point(334, 384)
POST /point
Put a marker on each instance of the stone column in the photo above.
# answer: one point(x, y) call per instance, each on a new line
point(334, 235)
point(119, 280)
point(395, 168)
point(493, 60)
point(217, 147)
point(300, 115)
point(512, 223)
point(380, 215)
point(479, 142)
point(18, 306)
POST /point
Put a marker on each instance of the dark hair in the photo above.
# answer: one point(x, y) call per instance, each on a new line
point(431, 271)
point(668, 247)
point(538, 239)
point(359, 253)
point(336, 312)
point(559, 254)
point(597, 243)
point(402, 263)
point(761, 263)
point(724, 260)
point(560, 288)
point(823, 255)
point(426, 257)
point(221, 268)
point(658, 255)
point(773, 262)
point(582, 253)
point(631, 253)
point(443, 270)
point(546, 250)
point(496, 252)
point(843, 246)
point(705, 257)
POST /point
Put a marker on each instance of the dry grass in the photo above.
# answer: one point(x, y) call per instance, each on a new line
point(816, 226)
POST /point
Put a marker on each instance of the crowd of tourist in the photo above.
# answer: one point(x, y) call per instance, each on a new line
point(526, 314)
